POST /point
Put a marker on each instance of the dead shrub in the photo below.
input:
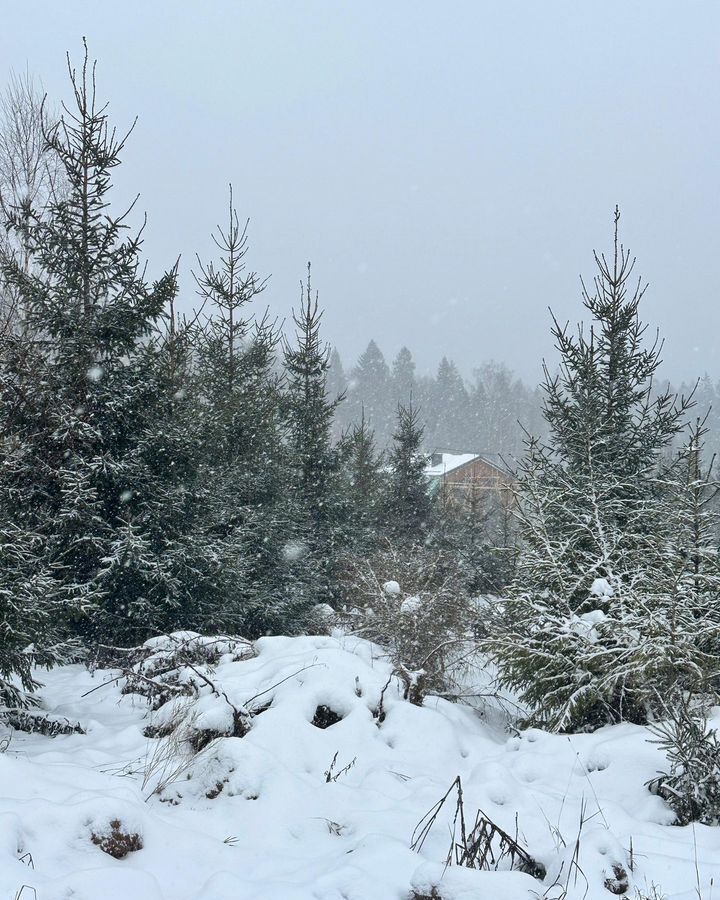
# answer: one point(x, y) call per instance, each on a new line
point(36, 722)
point(486, 847)
point(618, 883)
point(216, 790)
point(412, 602)
point(118, 842)
point(168, 666)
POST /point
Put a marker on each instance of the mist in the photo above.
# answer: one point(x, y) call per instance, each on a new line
point(447, 169)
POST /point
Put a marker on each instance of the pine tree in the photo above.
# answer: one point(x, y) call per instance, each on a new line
point(408, 503)
point(589, 632)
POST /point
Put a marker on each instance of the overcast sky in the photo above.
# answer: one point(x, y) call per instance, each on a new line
point(448, 167)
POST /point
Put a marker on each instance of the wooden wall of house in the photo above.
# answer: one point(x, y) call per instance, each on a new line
point(470, 482)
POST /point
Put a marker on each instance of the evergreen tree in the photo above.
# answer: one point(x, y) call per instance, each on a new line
point(235, 359)
point(337, 382)
point(408, 503)
point(240, 444)
point(156, 555)
point(693, 557)
point(317, 509)
point(365, 482)
point(593, 627)
point(337, 386)
point(33, 609)
point(503, 410)
point(77, 389)
point(403, 377)
point(369, 391)
point(450, 407)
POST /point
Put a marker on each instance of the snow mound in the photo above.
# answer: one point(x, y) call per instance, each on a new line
point(310, 777)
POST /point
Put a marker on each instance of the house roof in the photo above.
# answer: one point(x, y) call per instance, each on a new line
point(451, 461)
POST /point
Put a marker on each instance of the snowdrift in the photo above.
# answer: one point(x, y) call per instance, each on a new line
point(295, 770)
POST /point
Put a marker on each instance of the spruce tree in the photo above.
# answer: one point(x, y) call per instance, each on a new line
point(337, 382)
point(589, 633)
point(365, 480)
point(693, 559)
point(369, 392)
point(403, 377)
point(408, 504)
point(450, 407)
point(234, 349)
point(243, 464)
point(316, 510)
point(78, 395)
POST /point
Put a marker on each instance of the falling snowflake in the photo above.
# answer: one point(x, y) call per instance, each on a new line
point(294, 551)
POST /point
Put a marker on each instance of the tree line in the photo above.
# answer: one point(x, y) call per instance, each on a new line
point(490, 415)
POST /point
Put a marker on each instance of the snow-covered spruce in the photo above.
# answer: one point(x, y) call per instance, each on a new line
point(615, 599)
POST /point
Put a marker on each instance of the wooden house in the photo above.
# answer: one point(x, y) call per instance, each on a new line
point(469, 479)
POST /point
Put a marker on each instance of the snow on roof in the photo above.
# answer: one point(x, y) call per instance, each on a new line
point(449, 462)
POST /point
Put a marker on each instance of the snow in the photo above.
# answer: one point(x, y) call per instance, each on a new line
point(95, 373)
point(450, 461)
point(294, 551)
point(391, 588)
point(584, 625)
point(601, 587)
point(410, 606)
point(270, 816)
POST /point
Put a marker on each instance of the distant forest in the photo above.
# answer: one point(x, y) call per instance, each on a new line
point(491, 414)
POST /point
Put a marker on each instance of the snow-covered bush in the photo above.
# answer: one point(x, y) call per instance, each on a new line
point(692, 786)
point(167, 666)
point(115, 839)
point(410, 602)
point(39, 722)
point(175, 674)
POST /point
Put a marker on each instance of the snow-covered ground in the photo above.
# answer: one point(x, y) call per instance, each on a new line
point(259, 816)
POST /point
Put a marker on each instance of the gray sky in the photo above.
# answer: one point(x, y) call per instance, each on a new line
point(448, 167)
